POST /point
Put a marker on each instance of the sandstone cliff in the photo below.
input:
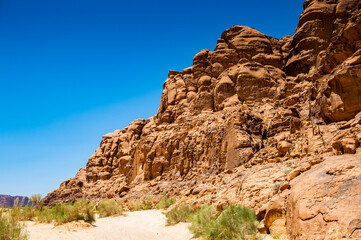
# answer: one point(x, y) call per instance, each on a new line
point(258, 121)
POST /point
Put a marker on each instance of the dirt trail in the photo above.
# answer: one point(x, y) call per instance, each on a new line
point(142, 225)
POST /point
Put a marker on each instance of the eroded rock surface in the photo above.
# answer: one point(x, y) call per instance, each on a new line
point(326, 200)
point(254, 122)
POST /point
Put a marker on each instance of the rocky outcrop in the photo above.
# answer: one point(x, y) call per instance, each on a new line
point(326, 200)
point(318, 26)
point(245, 66)
point(338, 71)
point(8, 201)
point(254, 122)
point(114, 156)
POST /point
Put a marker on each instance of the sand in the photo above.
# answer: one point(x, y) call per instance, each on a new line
point(141, 225)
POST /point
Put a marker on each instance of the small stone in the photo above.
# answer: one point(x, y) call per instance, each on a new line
point(294, 173)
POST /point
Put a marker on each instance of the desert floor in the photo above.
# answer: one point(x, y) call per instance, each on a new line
point(141, 225)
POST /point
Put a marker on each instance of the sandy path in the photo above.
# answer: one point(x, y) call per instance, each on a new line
point(142, 225)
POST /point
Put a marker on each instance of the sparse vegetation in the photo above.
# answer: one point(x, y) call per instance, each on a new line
point(235, 222)
point(141, 204)
point(109, 207)
point(43, 215)
point(68, 212)
point(287, 171)
point(203, 221)
point(10, 226)
point(59, 214)
point(180, 214)
point(165, 202)
point(28, 213)
point(35, 199)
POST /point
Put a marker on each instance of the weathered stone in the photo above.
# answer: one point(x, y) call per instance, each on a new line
point(294, 173)
point(285, 186)
point(283, 148)
point(230, 128)
point(261, 228)
point(324, 205)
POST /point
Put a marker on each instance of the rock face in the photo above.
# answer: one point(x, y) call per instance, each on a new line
point(319, 25)
point(326, 200)
point(254, 122)
point(8, 201)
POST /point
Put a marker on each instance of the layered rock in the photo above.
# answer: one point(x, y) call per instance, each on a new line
point(251, 123)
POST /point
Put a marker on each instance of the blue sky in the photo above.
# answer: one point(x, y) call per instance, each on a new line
point(74, 70)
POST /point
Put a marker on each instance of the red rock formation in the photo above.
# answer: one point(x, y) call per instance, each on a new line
point(254, 122)
point(319, 25)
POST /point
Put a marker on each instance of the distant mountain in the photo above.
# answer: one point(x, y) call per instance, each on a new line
point(8, 201)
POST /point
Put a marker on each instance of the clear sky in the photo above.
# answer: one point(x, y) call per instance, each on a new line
point(74, 70)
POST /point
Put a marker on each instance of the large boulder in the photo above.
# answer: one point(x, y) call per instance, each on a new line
point(324, 202)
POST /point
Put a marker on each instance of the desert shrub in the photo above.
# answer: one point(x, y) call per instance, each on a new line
point(180, 214)
point(202, 220)
point(235, 222)
point(141, 204)
point(10, 226)
point(135, 205)
point(28, 213)
point(165, 202)
point(35, 199)
point(44, 215)
point(15, 211)
point(109, 207)
point(147, 203)
point(68, 212)
point(59, 214)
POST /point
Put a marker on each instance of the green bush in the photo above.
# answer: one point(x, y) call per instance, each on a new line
point(10, 226)
point(180, 214)
point(43, 215)
point(68, 212)
point(202, 220)
point(234, 222)
point(147, 203)
point(109, 207)
point(141, 204)
point(165, 202)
